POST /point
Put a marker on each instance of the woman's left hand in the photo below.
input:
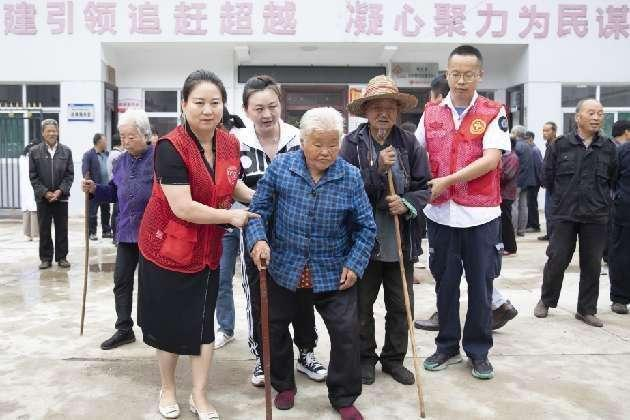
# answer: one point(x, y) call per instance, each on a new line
point(348, 279)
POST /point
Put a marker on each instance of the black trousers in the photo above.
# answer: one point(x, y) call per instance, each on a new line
point(619, 264)
point(532, 207)
point(477, 251)
point(560, 250)
point(94, 206)
point(386, 274)
point(47, 213)
point(305, 334)
point(127, 256)
point(507, 228)
point(339, 310)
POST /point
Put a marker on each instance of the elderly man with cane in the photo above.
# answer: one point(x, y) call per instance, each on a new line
point(377, 147)
point(316, 231)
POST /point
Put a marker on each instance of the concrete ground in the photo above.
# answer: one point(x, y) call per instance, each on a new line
point(554, 368)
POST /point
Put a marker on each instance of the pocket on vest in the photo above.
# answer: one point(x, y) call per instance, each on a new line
point(179, 242)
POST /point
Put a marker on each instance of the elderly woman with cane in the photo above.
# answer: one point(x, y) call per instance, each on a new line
point(129, 187)
point(317, 232)
point(197, 171)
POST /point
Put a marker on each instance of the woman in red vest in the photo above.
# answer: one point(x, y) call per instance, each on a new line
point(197, 171)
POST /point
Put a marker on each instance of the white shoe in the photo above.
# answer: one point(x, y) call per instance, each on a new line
point(258, 377)
point(209, 415)
point(168, 411)
point(222, 339)
point(309, 365)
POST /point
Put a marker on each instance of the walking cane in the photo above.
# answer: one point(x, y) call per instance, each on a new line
point(87, 252)
point(412, 336)
point(264, 321)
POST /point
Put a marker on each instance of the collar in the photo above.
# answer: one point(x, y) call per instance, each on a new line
point(248, 136)
point(577, 140)
point(52, 149)
point(298, 166)
point(196, 140)
point(448, 102)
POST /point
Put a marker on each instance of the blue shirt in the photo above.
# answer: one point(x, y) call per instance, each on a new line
point(130, 186)
point(327, 225)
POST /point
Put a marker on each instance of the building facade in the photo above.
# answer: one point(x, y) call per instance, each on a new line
point(83, 62)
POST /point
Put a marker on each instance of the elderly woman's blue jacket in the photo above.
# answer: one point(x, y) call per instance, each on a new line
point(327, 225)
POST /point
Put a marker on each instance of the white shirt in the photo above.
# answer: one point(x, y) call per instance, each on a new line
point(52, 150)
point(450, 213)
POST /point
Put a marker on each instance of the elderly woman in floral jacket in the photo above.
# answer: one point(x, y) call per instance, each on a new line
point(317, 231)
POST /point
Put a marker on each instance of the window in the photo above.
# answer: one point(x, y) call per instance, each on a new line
point(297, 99)
point(615, 96)
point(163, 125)
point(160, 101)
point(10, 94)
point(43, 95)
point(571, 95)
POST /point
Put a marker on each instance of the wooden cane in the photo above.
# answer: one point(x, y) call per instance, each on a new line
point(392, 191)
point(264, 321)
point(87, 251)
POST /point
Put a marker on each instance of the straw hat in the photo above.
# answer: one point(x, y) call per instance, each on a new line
point(382, 87)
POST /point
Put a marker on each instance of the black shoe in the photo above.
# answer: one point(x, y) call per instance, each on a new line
point(399, 373)
point(93, 237)
point(439, 361)
point(502, 315)
point(543, 238)
point(45, 264)
point(63, 263)
point(367, 373)
point(532, 230)
point(108, 235)
point(482, 369)
point(431, 324)
point(119, 338)
point(520, 234)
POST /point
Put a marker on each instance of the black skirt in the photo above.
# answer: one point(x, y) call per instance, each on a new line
point(176, 310)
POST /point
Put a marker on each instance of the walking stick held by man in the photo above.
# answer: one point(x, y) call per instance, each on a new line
point(87, 251)
point(392, 191)
point(264, 321)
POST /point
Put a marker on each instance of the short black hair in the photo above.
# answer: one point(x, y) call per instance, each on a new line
point(97, 137)
point(553, 125)
point(115, 139)
point(467, 50)
point(530, 135)
point(620, 127)
point(200, 76)
point(439, 85)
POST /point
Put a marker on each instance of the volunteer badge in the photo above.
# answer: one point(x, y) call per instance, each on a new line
point(477, 127)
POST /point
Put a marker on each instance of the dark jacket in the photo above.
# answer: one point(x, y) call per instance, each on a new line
point(413, 157)
point(580, 179)
point(91, 164)
point(534, 179)
point(622, 187)
point(48, 174)
point(525, 161)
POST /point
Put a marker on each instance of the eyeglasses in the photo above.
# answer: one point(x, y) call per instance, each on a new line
point(468, 76)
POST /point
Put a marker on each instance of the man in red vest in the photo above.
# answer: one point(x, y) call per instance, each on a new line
point(465, 135)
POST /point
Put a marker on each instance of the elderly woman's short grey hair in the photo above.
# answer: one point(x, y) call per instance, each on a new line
point(518, 131)
point(321, 119)
point(139, 119)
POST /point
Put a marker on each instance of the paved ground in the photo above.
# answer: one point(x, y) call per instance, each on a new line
point(554, 368)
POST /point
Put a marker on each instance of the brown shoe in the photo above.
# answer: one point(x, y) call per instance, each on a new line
point(619, 308)
point(541, 310)
point(503, 314)
point(591, 320)
point(44, 264)
point(431, 324)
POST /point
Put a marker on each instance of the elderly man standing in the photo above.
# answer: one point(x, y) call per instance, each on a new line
point(549, 134)
point(525, 171)
point(465, 135)
point(317, 220)
point(377, 147)
point(51, 172)
point(580, 170)
point(95, 166)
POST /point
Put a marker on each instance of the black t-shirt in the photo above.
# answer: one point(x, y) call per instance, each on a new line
point(170, 168)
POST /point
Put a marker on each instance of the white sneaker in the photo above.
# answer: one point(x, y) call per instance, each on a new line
point(221, 339)
point(309, 365)
point(258, 377)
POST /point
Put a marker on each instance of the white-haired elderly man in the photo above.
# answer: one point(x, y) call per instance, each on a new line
point(316, 231)
point(130, 187)
point(525, 155)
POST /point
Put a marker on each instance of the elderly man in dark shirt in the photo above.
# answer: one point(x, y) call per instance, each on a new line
point(524, 152)
point(130, 187)
point(580, 170)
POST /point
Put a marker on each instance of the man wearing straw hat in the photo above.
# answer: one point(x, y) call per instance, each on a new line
point(465, 135)
point(377, 147)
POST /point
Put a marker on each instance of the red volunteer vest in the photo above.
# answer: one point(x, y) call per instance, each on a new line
point(451, 150)
point(173, 243)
